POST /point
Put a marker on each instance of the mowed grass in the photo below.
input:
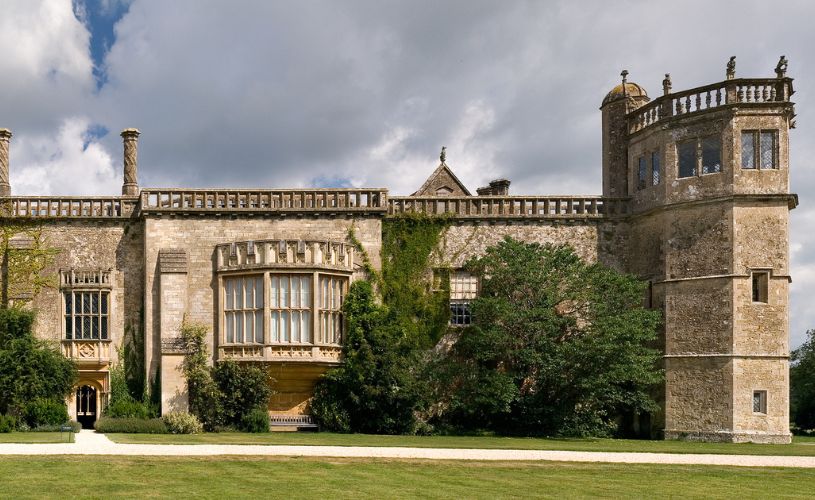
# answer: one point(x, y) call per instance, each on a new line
point(35, 437)
point(229, 477)
point(802, 446)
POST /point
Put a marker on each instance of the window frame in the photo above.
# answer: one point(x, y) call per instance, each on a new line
point(762, 402)
point(700, 168)
point(760, 286)
point(755, 138)
point(316, 336)
point(103, 318)
point(656, 173)
point(460, 306)
point(86, 281)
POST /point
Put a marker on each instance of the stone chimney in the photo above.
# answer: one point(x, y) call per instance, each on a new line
point(130, 137)
point(498, 187)
point(5, 187)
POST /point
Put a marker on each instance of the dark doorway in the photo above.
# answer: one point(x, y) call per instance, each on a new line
point(86, 406)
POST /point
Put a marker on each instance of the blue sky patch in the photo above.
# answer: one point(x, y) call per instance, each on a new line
point(99, 17)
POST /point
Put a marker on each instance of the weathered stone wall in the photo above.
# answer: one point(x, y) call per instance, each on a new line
point(698, 398)
point(761, 374)
point(199, 236)
point(98, 245)
point(464, 240)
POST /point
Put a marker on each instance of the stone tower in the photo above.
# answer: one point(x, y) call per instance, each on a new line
point(706, 171)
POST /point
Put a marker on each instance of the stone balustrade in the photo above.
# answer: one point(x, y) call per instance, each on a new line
point(66, 207)
point(699, 99)
point(510, 207)
point(307, 353)
point(87, 351)
point(289, 200)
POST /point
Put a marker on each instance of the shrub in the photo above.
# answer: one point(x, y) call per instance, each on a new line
point(30, 368)
point(256, 420)
point(7, 423)
point(131, 425)
point(128, 408)
point(243, 388)
point(45, 412)
point(181, 422)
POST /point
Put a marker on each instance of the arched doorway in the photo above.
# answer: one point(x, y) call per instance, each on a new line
point(86, 406)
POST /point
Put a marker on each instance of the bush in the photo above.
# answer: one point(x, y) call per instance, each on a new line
point(30, 368)
point(45, 412)
point(128, 408)
point(7, 423)
point(181, 422)
point(131, 425)
point(243, 388)
point(256, 420)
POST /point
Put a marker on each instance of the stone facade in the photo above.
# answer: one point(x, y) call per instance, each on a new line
point(686, 205)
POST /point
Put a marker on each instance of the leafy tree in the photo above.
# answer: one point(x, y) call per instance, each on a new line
point(223, 395)
point(802, 384)
point(558, 346)
point(31, 370)
point(376, 389)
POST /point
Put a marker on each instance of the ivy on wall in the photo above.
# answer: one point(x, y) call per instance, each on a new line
point(25, 257)
point(417, 305)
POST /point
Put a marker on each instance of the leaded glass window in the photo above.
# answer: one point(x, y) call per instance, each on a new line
point(243, 309)
point(332, 292)
point(711, 155)
point(290, 308)
point(655, 168)
point(641, 172)
point(86, 314)
point(759, 149)
point(463, 289)
point(687, 158)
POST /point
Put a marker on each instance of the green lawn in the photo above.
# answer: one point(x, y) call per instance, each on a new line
point(229, 477)
point(800, 446)
point(34, 437)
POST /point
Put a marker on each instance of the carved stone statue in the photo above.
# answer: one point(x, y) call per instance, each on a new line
point(731, 68)
point(781, 68)
point(666, 84)
point(443, 155)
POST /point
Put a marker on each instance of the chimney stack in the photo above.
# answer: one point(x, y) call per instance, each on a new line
point(5, 187)
point(130, 138)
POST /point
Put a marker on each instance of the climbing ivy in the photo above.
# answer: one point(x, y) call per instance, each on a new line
point(417, 306)
point(25, 257)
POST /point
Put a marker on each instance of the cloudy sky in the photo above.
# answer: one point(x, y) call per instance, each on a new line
point(364, 93)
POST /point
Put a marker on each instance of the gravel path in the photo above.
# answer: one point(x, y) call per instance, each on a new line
point(89, 442)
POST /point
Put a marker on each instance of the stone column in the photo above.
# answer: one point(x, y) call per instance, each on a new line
point(172, 266)
point(130, 137)
point(5, 187)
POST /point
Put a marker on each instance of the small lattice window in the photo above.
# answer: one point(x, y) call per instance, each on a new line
point(759, 149)
point(655, 168)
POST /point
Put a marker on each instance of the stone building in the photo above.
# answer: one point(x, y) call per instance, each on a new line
point(695, 200)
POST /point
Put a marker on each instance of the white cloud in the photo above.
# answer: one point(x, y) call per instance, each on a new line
point(68, 163)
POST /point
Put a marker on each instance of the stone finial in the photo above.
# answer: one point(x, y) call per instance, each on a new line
point(731, 68)
point(443, 154)
point(5, 137)
point(130, 138)
point(781, 67)
point(624, 74)
point(666, 84)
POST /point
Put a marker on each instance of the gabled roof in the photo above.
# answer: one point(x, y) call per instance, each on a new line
point(442, 177)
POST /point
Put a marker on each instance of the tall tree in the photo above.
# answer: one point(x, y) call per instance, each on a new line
point(558, 346)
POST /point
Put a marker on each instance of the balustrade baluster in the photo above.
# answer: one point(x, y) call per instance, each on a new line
point(678, 106)
point(718, 97)
point(698, 102)
point(740, 94)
